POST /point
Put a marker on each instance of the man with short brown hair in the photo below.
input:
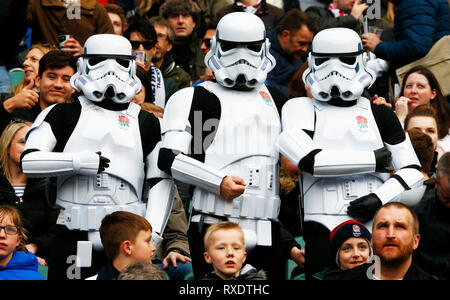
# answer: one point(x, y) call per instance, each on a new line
point(163, 58)
point(395, 236)
point(289, 41)
point(184, 17)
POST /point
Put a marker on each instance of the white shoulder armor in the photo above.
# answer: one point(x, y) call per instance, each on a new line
point(175, 126)
point(297, 115)
point(40, 135)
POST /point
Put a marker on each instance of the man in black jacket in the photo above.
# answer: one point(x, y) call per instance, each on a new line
point(433, 254)
point(339, 13)
point(395, 235)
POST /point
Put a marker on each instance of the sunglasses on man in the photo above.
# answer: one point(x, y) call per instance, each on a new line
point(146, 44)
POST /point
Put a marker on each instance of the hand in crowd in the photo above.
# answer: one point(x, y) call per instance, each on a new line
point(358, 9)
point(73, 47)
point(26, 99)
point(232, 187)
point(172, 258)
point(298, 255)
point(380, 101)
point(401, 108)
point(33, 249)
point(370, 41)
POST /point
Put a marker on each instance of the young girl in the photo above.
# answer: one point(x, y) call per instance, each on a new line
point(424, 118)
point(349, 247)
point(15, 262)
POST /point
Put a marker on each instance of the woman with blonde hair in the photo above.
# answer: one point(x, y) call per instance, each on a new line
point(31, 63)
point(28, 195)
point(25, 93)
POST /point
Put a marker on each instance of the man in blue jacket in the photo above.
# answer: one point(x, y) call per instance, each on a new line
point(418, 25)
point(289, 40)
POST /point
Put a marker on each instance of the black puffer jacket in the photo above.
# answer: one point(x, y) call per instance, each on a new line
point(39, 216)
point(248, 272)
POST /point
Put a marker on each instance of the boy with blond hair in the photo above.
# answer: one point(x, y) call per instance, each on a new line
point(225, 250)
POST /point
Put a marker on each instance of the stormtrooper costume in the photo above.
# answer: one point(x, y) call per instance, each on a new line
point(342, 142)
point(102, 148)
point(228, 127)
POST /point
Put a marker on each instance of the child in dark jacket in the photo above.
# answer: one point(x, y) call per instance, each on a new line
point(15, 262)
point(225, 250)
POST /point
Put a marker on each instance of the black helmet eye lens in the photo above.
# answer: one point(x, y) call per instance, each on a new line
point(123, 62)
point(227, 46)
point(321, 60)
point(96, 60)
point(255, 47)
point(349, 60)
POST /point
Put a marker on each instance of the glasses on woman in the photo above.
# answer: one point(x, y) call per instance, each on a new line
point(10, 229)
point(146, 44)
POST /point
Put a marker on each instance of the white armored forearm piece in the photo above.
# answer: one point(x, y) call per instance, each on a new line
point(327, 163)
point(48, 164)
point(196, 173)
point(160, 201)
point(406, 177)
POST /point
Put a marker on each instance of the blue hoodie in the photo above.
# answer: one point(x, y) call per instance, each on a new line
point(22, 266)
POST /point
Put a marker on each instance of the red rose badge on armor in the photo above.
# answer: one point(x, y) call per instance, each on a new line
point(124, 121)
point(362, 122)
point(265, 96)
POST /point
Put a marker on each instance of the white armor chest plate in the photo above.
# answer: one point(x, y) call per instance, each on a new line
point(116, 135)
point(341, 128)
point(346, 128)
point(245, 146)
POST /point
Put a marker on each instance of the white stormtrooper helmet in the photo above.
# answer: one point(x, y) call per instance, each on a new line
point(239, 54)
point(106, 70)
point(336, 68)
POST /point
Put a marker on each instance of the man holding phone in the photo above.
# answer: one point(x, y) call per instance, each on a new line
point(51, 19)
point(143, 38)
point(339, 13)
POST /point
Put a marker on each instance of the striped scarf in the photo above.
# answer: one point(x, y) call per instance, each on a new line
point(159, 91)
point(335, 11)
